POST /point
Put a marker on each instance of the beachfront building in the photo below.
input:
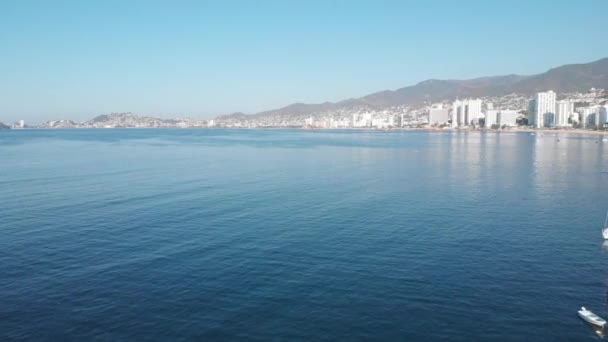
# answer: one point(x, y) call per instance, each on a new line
point(563, 111)
point(466, 112)
point(491, 118)
point(542, 110)
point(362, 121)
point(587, 115)
point(603, 116)
point(438, 115)
point(507, 118)
point(456, 116)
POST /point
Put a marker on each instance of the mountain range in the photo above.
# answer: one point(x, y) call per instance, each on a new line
point(563, 79)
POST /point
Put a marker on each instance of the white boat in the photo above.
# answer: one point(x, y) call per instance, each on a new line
point(605, 228)
point(591, 317)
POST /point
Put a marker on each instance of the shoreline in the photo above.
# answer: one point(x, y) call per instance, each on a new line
point(508, 130)
point(427, 129)
point(527, 130)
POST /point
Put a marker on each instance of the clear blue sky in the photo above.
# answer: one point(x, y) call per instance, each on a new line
point(78, 59)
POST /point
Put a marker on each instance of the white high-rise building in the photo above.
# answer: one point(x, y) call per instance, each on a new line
point(588, 116)
point(542, 110)
point(603, 116)
point(466, 112)
point(491, 118)
point(563, 111)
point(507, 118)
point(438, 114)
point(455, 113)
point(473, 110)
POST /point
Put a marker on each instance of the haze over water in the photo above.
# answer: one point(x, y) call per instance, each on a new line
point(163, 235)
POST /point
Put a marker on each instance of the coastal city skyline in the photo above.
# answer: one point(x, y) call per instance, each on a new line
point(517, 106)
point(587, 110)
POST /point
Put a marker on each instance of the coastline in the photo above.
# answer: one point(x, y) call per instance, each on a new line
point(525, 130)
point(508, 130)
point(427, 129)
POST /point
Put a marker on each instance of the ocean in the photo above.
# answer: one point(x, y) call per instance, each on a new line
point(294, 235)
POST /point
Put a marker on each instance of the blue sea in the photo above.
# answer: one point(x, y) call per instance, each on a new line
point(293, 235)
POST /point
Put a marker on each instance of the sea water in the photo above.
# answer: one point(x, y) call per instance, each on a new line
point(212, 234)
